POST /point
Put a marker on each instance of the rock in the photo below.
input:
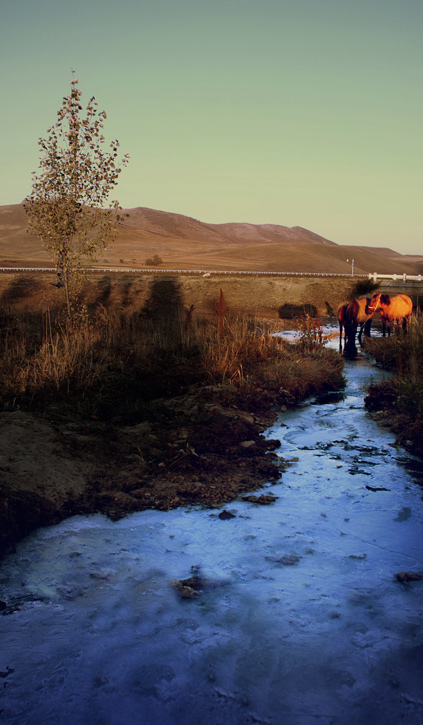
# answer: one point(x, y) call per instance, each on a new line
point(290, 560)
point(196, 584)
point(408, 576)
point(225, 515)
point(184, 591)
point(263, 499)
point(377, 488)
point(247, 417)
point(191, 587)
point(271, 444)
point(286, 560)
point(5, 673)
point(139, 430)
point(156, 452)
point(247, 444)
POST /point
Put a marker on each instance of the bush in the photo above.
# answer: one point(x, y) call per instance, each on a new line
point(363, 288)
point(154, 261)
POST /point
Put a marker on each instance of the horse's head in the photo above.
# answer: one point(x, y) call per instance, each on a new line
point(373, 304)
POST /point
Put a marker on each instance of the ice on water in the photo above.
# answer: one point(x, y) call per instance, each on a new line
point(300, 620)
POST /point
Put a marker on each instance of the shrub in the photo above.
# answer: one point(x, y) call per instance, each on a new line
point(363, 288)
point(154, 261)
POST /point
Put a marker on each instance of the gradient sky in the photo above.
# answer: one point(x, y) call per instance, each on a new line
point(292, 112)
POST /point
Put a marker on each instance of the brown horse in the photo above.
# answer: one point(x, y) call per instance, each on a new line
point(393, 310)
point(351, 316)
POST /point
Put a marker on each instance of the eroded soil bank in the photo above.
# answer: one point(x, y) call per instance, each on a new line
point(381, 404)
point(196, 448)
point(260, 295)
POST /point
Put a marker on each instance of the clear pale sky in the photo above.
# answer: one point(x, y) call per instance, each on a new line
point(292, 112)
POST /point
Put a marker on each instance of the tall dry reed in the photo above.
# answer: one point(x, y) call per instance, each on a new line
point(110, 363)
point(403, 354)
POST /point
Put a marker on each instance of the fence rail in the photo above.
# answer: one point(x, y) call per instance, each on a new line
point(206, 273)
point(202, 272)
point(401, 277)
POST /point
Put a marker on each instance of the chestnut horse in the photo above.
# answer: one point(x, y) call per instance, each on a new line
point(393, 310)
point(353, 315)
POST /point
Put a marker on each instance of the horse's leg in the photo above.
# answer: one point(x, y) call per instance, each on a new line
point(350, 339)
point(367, 326)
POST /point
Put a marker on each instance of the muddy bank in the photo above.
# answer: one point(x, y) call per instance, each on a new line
point(193, 449)
point(381, 404)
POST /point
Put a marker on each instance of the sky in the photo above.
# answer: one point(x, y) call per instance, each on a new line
point(294, 112)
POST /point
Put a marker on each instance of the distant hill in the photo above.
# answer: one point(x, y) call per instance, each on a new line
point(186, 243)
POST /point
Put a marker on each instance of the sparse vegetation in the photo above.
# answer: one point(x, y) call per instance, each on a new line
point(403, 395)
point(311, 336)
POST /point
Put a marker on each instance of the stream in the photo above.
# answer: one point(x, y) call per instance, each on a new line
point(299, 620)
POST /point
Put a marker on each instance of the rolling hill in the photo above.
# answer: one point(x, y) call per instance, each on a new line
point(186, 243)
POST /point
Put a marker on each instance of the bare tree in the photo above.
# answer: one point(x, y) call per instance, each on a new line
point(69, 208)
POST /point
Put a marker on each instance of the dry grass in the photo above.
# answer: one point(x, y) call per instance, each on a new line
point(111, 365)
point(403, 354)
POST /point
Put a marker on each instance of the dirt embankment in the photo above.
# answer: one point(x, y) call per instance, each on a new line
point(194, 449)
point(260, 295)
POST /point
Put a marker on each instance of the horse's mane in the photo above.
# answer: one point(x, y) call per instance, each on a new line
point(385, 299)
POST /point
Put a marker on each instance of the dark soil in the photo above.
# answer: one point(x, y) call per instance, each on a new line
point(198, 449)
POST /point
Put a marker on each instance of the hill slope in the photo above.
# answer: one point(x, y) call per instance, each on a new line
point(186, 243)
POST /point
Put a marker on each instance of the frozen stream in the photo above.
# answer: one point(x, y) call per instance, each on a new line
point(303, 620)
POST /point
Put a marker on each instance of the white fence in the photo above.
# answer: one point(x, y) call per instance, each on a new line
point(203, 272)
point(400, 277)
